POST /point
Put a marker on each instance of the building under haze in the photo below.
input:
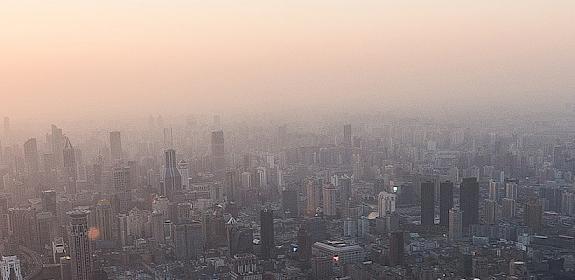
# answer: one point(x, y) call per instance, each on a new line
point(79, 244)
point(115, 146)
point(218, 151)
point(172, 180)
point(70, 168)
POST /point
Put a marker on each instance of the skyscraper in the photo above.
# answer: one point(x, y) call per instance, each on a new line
point(69, 163)
point(121, 178)
point(534, 216)
point(49, 203)
point(103, 217)
point(57, 140)
point(79, 244)
point(386, 203)
point(218, 151)
point(508, 209)
point(427, 203)
point(115, 146)
point(172, 182)
point(188, 240)
point(347, 135)
point(314, 195)
point(445, 201)
point(490, 211)
point(232, 185)
point(469, 201)
point(455, 225)
point(31, 156)
point(267, 232)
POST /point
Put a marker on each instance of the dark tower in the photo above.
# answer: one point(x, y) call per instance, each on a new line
point(172, 178)
point(267, 232)
point(445, 202)
point(218, 151)
point(396, 248)
point(115, 146)
point(427, 203)
point(69, 157)
point(469, 201)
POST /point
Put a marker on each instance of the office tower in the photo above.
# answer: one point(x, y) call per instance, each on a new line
point(232, 185)
point(511, 190)
point(121, 178)
point(103, 219)
point(493, 190)
point(240, 240)
point(267, 233)
point(314, 195)
point(508, 209)
point(115, 147)
point(218, 151)
point(455, 224)
point(188, 240)
point(172, 183)
point(427, 203)
point(69, 163)
point(10, 268)
point(31, 156)
point(79, 244)
point(396, 248)
point(322, 268)
point(66, 268)
point(386, 203)
point(445, 201)
point(290, 202)
point(58, 142)
point(262, 178)
point(347, 135)
point(329, 200)
point(534, 216)
point(469, 201)
point(490, 212)
point(49, 202)
point(58, 249)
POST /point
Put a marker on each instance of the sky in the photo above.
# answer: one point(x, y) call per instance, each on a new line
point(72, 58)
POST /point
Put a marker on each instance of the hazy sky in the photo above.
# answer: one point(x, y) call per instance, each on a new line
point(84, 57)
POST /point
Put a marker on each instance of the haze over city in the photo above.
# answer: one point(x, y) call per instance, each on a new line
point(287, 140)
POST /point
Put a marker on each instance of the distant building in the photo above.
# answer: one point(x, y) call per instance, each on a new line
point(70, 168)
point(386, 203)
point(116, 153)
point(339, 251)
point(172, 180)
point(267, 233)
point(445, 201)
point(10, 267)
point(469, 201)
point(427, 203)
point(396, 248)
point(329, 200)
point(218, 151)
point(455, 225)
point(79, 244)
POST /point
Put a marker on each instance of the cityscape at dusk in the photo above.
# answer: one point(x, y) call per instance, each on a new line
point(287, 140)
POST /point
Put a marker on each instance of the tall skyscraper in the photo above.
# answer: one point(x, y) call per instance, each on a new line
point(469, 201)
point(347, 135)
point(172, 181)
point(218, 151)
point(493, 190)
point(491, 212)
point(232, 185)
point(115, 146)
point(188, 240)
point(427, 203)
point(31, 156)
point(103, 218)
point(314, 195)
point(58, 142)
point(79, 244)
point(396, 248)
point(121, 178)
point(267, 232)
point(445, 201)
point(69, 164)
point(329, 200)
point(49, 203)
point(508, 209)
point(455, 225)
point(290, 202)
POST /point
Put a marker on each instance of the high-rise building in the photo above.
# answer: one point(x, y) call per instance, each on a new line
point(329, 200)
point(290, 202)
point(240, 240)
point(23, 225)
point(469, 201)
point(58, 142)
point(345, 188)
point(183, 168)
point(115, 146)
point(49, 202)
point(121, 178)
point(534, 216)
point(511, 190)
point(10, 268)
point(491, 212)
point(245, 267)
point(267, 233)
point(455, 225)
point(445, 201)
point(31, 156)
point(218, 151)
point(189, 240)
point(427, 203)
point(347, 135)
point(70, 168)
point(103, 220)
point(79, 244)
point(172, 180)
point(232, 185)
point(508, 209)
point(314, 195)
point(386, 203)
point(396, 248)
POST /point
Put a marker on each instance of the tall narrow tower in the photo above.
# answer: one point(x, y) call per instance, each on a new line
point(218, 151)
point(172, 182)
point(70, 172)
point(79, 243)
point(115, 146)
